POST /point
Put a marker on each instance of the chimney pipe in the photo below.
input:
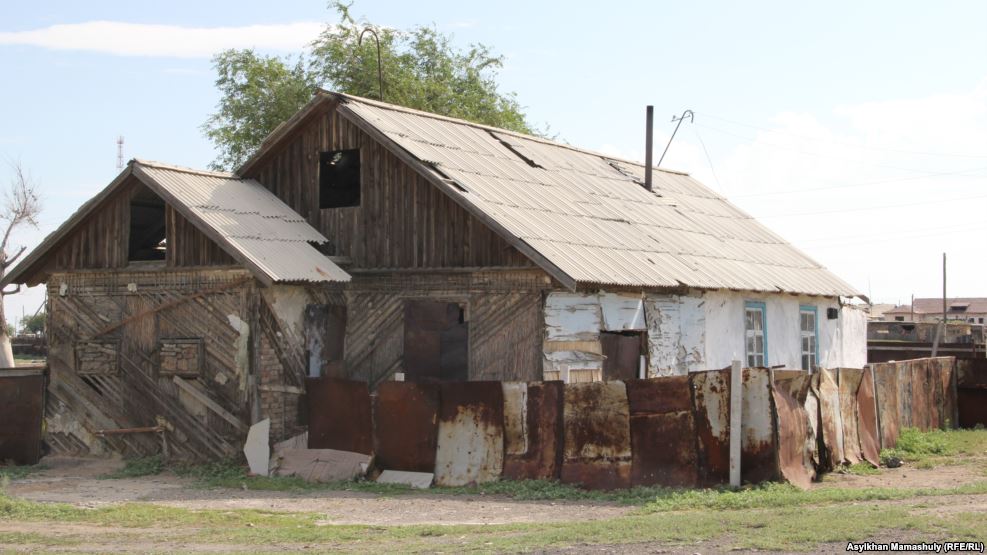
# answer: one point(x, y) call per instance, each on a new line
point(648, 139)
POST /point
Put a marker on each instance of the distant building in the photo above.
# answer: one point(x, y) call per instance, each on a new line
point(878, 311)
point(961, 309)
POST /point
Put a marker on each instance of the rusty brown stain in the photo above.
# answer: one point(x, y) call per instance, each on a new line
point(758, 458)
point(920, 395)
point(663, 440)
point(794, 457)
point(947, 378)
point(886, 389)
point(406, 421)
point(867, 430)
point(339, 415)
point(831, 419)
point(22, 407)
point(597, 452)
point(470, 446)
point(849, 383)
point(540, 458)
point(711, 391)
point(658, 395)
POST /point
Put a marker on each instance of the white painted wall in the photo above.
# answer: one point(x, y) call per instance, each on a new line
point(705, 329)
point(842, 342)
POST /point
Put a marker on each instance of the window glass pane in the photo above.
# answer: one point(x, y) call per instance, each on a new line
point(759, 344)
point(805, 362)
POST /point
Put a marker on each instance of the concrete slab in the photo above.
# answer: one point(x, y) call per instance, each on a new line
point(257, 447)
point(417, 480)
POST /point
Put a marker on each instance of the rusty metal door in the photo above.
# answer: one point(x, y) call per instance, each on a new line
point(436, 342)
point(623, 352)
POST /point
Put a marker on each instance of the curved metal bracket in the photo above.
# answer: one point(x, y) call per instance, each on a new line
point(380, 71)
point(686, 114)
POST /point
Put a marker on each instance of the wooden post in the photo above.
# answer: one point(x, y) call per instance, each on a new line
point(736, 431)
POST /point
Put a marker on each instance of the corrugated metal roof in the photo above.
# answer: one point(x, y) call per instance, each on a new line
point(247, 219)
point(588, 214)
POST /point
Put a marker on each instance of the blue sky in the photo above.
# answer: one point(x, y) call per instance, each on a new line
point(856, 130)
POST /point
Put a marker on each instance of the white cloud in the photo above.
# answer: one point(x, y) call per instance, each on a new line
point(139, 39)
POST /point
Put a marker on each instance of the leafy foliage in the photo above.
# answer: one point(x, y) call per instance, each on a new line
point(135, 468)
point(421, 69)
point(34, 323)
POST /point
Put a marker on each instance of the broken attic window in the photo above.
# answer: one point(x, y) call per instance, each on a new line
point(147, 227)
point(339, 178)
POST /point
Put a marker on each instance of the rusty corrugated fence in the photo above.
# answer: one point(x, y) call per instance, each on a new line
point(670, 431)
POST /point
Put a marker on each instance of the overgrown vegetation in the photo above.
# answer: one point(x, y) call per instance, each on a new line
point(14, 472)
point(135, 468)
point(937, 447)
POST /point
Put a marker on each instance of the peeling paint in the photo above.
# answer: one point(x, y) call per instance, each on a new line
point(572, 317)
point(242, 346)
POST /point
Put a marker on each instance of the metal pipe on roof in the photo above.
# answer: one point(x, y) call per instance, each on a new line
point(648, 140)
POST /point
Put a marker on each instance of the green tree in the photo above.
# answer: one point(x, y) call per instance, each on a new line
point(33, 324)
point(421, 69)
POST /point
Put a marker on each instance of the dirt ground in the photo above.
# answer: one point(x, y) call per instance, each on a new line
point(77, 482)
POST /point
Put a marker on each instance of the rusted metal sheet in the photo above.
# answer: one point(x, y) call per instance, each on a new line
point(664, 450)
point(794, 456)
point(867, 428)
point(663, 439)
point(886, 389)
point(937, 417)
point(712, 419)
point(903, 371)
point(658, 395)
point(471, 433)
point(920, 394)
point(758, 461)
point(831, 418)
point(849, 383)
point(947, 378)
point(22, 408)
point(436, 341)
point(406, 426)
point(597, 452)
point(339, 415)
point(811, 406)
point(533, 433)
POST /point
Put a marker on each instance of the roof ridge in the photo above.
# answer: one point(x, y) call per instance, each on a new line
point(398, 108)
point(183, 169)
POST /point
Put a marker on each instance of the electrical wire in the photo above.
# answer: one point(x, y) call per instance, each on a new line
point(867, 208)
point(760, 143)
point(708, 159)
point(963, 173)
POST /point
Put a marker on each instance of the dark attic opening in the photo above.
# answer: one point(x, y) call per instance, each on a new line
point(339, 178)
point(147, 226)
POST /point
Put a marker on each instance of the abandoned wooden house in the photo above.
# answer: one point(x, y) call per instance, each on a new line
point(373, 242)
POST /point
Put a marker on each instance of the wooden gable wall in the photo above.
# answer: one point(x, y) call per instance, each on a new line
point(403, 221)
point(101, 240)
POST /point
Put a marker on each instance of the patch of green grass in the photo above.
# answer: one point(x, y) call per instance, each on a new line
point(772, 495)
point(135, 468)
point(757, 518)
point(937, 447)
point(860, 469)
point(32, 538)
point(17, 472)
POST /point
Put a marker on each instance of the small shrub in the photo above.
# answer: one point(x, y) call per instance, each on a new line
point(912, 442)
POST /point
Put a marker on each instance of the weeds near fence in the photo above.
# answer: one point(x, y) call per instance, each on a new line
point(14, 472)
point(135, 468)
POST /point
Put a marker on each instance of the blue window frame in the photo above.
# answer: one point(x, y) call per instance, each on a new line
point(756, 334)
point(809, 336)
